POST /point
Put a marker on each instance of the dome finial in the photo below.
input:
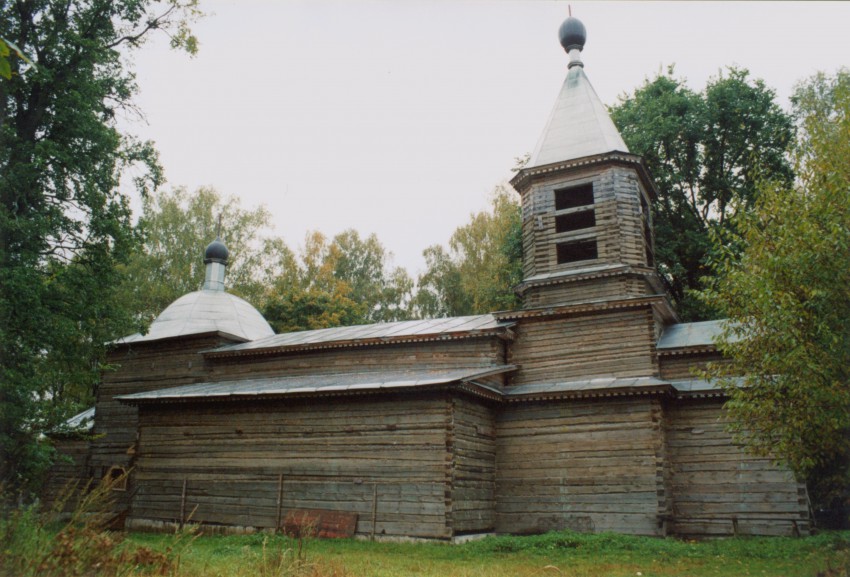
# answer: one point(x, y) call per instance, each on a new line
point(216, 250)
point(215, 257)
point(573, 37)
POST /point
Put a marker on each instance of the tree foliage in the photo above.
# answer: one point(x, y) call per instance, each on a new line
point(176, 226)
point(64, 225)
point(706, 153)
point(347, 280)
point(481, 266)
point(330, 282)
point(787, 295)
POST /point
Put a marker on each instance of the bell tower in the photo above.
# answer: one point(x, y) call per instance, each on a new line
point(586, 219)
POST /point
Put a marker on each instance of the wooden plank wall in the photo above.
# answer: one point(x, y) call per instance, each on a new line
point(618, 230)
point(473, 446)
point(332, 454)
point(587, 465)
point(152, 366)
point(685, 366)
point(718, 489)
point(617, 287)
point(68, 477)
point(142, 367)
point(461, 353)
point(618, 343)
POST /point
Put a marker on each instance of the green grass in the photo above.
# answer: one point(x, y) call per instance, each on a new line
point(554, 554)
point(34, 544)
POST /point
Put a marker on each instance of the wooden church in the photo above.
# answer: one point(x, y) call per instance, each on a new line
point(578, 411)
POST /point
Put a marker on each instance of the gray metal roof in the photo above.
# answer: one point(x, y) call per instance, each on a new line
point(428, 329)
point(596, 385)
point(334, 383)
point(578, 126)
point(684, 335)
point(206, 311)
point(81, 421)
point(702, 386)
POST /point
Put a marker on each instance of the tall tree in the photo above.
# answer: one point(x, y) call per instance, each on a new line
point(176, 226)
point(343, 281)
point(366, 266)
point(785, 286)
point(706, 152)
point(63, 223)
point(482, 265)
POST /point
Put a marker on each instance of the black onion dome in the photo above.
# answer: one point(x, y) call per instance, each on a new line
point(572, 34)
point(216, 252)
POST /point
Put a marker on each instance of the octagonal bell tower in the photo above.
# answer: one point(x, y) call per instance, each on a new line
point(586, 220)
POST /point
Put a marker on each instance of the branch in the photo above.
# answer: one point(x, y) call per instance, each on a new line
point(151, 25)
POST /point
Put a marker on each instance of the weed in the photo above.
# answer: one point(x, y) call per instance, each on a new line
point(39, 544)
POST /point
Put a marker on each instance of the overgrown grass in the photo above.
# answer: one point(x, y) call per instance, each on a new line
point(42, 544)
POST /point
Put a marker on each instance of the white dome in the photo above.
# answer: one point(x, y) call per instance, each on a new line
point(206, 311)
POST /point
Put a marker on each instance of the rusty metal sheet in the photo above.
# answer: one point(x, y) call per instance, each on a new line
point(320, 523)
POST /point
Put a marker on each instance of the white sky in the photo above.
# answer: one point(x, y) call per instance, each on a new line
point(399, 117)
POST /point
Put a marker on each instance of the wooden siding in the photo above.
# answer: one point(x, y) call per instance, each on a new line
point(142, 367)
point(613, 287)
point(473, 445)
point(618, 230)
point(474, 352)
point(334, 455)
point(582, 465)
point(611, 343)
point(68, 476)
point(686, 366)
point(717, 488)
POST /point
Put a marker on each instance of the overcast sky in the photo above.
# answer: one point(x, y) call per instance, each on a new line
point(399, 117)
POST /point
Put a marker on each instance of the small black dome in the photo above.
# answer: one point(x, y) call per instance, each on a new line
point(572, 34)
point(216, 252)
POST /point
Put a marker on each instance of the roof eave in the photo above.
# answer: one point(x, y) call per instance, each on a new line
point(526, 176)
point(120, 343)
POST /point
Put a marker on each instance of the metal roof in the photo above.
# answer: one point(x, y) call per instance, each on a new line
point(578, 126)
point(334, 383)
point(81, 421)
point(684, 335)
point(599, 385)
point(701, 386)
point(206, 311)
point(418, 330)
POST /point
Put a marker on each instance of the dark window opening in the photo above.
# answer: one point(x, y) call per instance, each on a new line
point(575, 221)
point(116, 477)
point(574, 196)
point(576, 251)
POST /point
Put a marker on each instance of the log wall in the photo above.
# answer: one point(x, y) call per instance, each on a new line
point(68, 477)
point(461, 353)
point(610, 343)
point(473, 446)
point(615, 287)
point(717, 489)
point(331, 454)
point(686, 366)
point(582, 465)
point(142, 367)
point(619, 229)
